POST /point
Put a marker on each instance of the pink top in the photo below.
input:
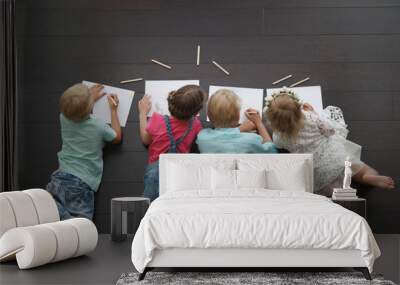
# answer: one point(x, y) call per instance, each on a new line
point(160, 142)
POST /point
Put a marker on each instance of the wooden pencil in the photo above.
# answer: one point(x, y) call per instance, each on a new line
point(299, 82)
point(282, 79)
point(161, 64)
point(131, 80)
point(115, 103)
point(220, 67)
point(198, 55)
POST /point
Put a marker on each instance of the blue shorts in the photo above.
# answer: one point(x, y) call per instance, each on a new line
point(151, 181)
point(74, 198)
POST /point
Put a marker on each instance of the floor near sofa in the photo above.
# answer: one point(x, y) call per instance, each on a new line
point(110, 260)
point(103, 266)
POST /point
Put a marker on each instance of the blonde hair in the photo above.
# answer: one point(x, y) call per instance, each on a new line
point(223, 109)
point(285, 116)
point(76, 103)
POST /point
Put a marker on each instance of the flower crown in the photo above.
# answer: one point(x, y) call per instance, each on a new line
point(284, 91)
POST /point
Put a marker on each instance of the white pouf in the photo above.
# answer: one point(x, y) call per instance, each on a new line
point(35, 245)
point(26, 208)
point(45, 205)
point(65, 236)
point(87, 234)
point(23, 208)
point(30, 230)
point(41, 244)
point(7, 218)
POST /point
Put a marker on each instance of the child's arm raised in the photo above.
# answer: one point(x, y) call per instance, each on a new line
point(255, 117)
point(113, 103)
point(144, 107)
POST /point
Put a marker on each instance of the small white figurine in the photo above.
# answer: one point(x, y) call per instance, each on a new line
point(347, 174)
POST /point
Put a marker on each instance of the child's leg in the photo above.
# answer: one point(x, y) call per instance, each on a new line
point(368, 175)
point(54, 187)
point(151, 182)
point(78, 196)
point(80, 200)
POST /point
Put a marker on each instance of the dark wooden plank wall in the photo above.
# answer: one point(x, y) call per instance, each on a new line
point(349, 47)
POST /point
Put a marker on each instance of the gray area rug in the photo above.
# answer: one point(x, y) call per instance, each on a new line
point(243, 278)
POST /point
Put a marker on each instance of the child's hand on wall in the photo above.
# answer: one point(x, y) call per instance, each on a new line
point(96, 91)
point(113, 102)
point(307, 107)
point(254, 116)
point(247, 126)
point(144, 105)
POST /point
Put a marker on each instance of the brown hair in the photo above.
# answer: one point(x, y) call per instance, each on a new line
point(76, 103)
point(285, 116)
point(186, 102)
point(223, 109)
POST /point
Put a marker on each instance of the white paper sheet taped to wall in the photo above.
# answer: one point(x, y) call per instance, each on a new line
point(101, 109)
point(158, 91)
point(250, 97)
point(308, 94)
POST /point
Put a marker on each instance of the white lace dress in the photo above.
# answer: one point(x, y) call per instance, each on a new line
point(324, 135)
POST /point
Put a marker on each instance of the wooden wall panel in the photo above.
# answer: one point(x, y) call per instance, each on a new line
point(278, 4)
point(355, 103)
point(95, 22)
point(349, 47)
point(331, 76)
point(262, 49)
point(310, 21)
point(396, 106)
point(99, 4)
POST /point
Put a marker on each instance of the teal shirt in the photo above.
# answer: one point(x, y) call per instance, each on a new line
point(231, 140)
point(82, 148)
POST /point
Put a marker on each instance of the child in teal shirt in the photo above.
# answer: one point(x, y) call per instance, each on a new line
point(223, 109)
point(81, 156)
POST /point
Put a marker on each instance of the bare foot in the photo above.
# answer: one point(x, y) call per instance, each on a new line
point(380, 181)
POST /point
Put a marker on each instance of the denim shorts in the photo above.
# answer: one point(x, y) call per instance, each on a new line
point(151, 181)
point(74, 198)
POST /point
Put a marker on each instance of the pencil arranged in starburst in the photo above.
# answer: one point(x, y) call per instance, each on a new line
point(220, 67)
point(300, 82)
point(198, 55)
point(131, 80)
point(282, 79)
point(162, 64)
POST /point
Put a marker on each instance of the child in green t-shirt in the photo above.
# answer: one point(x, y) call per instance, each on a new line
point(81, 156)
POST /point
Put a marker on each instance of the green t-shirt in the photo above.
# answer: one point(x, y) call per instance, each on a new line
point(82, 148)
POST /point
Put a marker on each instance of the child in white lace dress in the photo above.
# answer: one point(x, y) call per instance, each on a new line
point(299, 129)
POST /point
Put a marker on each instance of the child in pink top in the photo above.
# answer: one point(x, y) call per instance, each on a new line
point(173, 134)
point(156, 127)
